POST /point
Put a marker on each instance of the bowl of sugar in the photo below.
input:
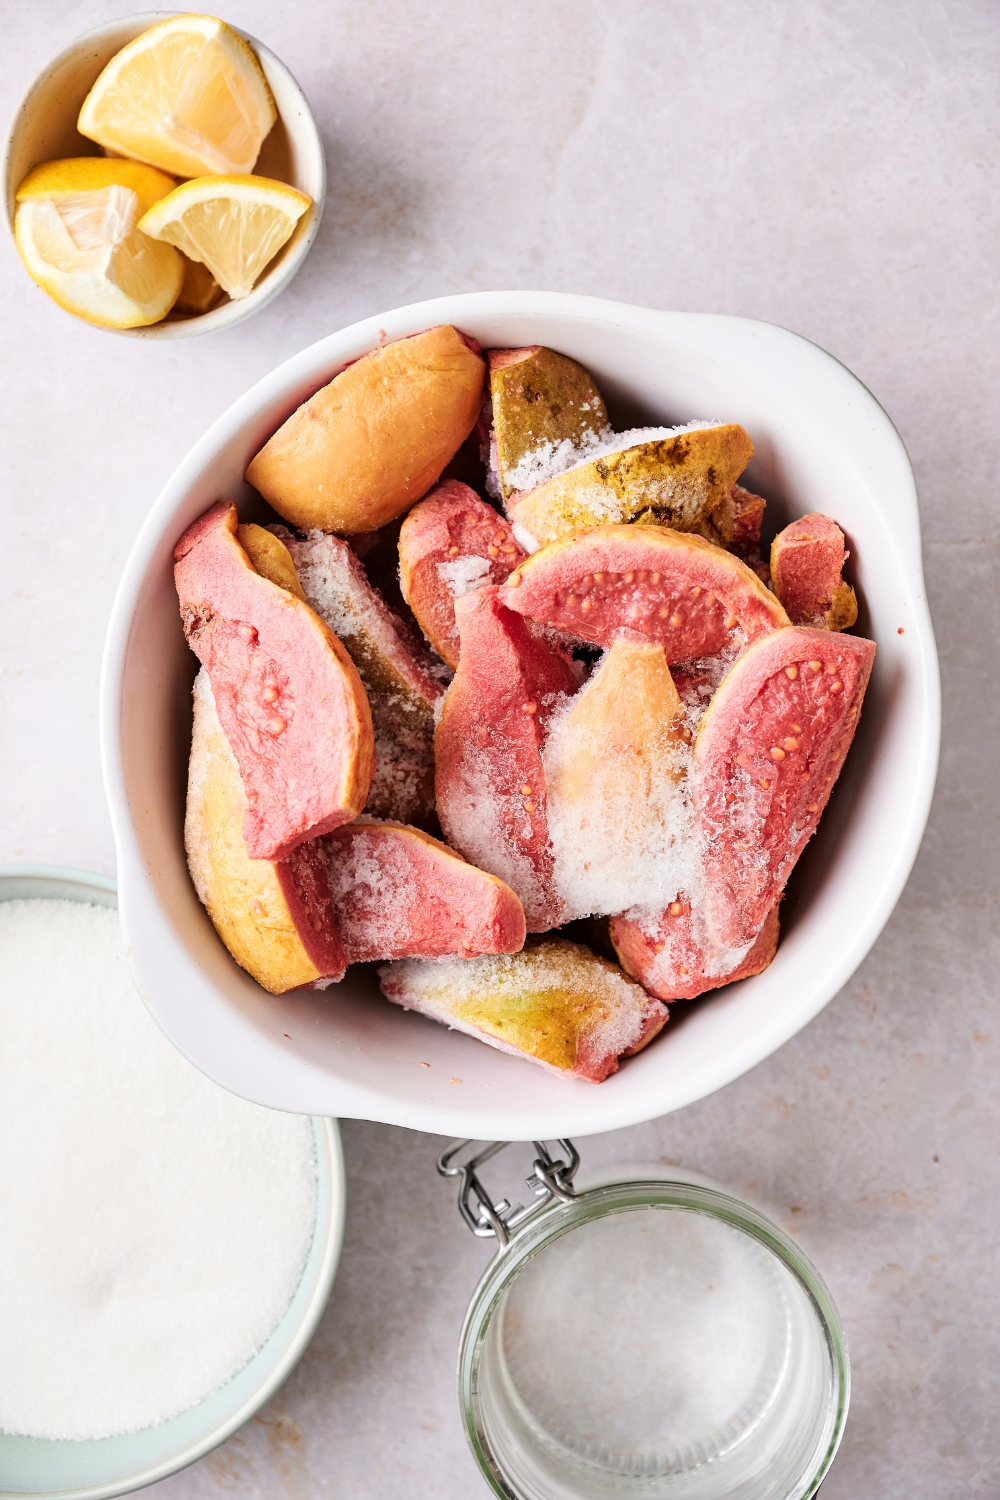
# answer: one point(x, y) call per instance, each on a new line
point(166, 1249)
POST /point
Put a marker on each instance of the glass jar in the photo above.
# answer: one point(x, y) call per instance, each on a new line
point(645, 1338)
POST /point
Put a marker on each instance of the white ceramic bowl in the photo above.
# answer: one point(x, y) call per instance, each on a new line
point(44, 128)
point(101, 1467)
point(822, 443)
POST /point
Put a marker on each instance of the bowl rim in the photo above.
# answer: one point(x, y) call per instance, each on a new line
point(327, 1131)
point(290, 383)
point(266, 288)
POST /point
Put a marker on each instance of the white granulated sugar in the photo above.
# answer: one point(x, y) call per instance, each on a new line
point(463, 575)
point(549, 459)
point(154, 1227)
point(524, 538)
point(628, 831)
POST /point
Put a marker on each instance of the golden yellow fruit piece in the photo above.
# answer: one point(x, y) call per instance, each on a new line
point(76, 226)
point(233, 225)
point(187, 95)
point(200, 291)
point(275, 917)
point(366, 446)
point(543, 403)
point(679, 477)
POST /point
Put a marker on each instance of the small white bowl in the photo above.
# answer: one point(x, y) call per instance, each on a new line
point(102, 1467)
point(44, 129)
point(822, 443)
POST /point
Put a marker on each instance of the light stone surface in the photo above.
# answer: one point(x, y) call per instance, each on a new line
point(829, 165)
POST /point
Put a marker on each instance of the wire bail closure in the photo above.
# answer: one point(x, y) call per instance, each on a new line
point(551, 1178)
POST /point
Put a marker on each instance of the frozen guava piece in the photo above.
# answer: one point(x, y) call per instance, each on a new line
point(677, 475)
point(395, 667)
point(806, 563)
point(489, 776)
point(661, 950)
point(554, 1002)
point(270, 557)
point(645, 583)
point(735, 525)
point(450, 544)
point(546, 410)
point(619, 812)
point(288, 696)
point(377, 437)
point(398, 893)
point(768, 750)
point(275, 917)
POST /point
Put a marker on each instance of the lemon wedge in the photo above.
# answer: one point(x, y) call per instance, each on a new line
point(234, 225)
point(76, 228)
point(188, 96)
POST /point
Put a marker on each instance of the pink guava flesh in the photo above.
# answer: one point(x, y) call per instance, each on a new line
point(305, 885)
point(768, 752)
point(806, 563)
point(288, 697)
point(489, 779)
point(398, 893)
point(663, 953)
point(645, 583)
point(451, 543)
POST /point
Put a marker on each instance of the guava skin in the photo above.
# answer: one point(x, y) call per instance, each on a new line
point(540, 397)
point(807, 559)
point(645, 583)
point(288, 696)
point(362, 449)
point(398, 893)
point(451, 522)
point(489, 779)
point(768, 751)
point(275, 917)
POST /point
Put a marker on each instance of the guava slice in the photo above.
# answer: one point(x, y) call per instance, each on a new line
point(676, 476)
point(395, 667)
point(366, 446)
point(398, 893)
point(645, 583)
point(288, 696)
point(768, 750)
point(451, 544)
point(806, 563)
point(662, 951)
point(554, 1002)
point(546, 410)
point(615, 759)
point(735, 525)
point(275, 916)
point(489, 776)
point(269, 555)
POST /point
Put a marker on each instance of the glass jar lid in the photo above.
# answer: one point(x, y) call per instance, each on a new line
point(645, 1338)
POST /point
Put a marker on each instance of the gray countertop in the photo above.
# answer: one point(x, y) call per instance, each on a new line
point(830, 166)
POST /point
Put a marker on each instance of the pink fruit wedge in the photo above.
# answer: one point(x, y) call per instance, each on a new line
point(645, 583)
point(450, 545)
point(661, 951)
point(555, 1003)
point(806, 562)
point(489, 778)
point(288, 696)
point(769, 748)
point(398, 893)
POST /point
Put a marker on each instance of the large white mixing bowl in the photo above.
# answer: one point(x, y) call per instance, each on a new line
point(822, 443)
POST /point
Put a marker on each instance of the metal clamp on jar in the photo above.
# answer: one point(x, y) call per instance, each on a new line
point(643, 1337)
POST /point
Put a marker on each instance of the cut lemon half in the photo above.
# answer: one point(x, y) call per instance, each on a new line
point(76, 228)
point(188, 96)
point(234, 225)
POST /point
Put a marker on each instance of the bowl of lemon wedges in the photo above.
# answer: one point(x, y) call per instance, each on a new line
point(164, 176)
